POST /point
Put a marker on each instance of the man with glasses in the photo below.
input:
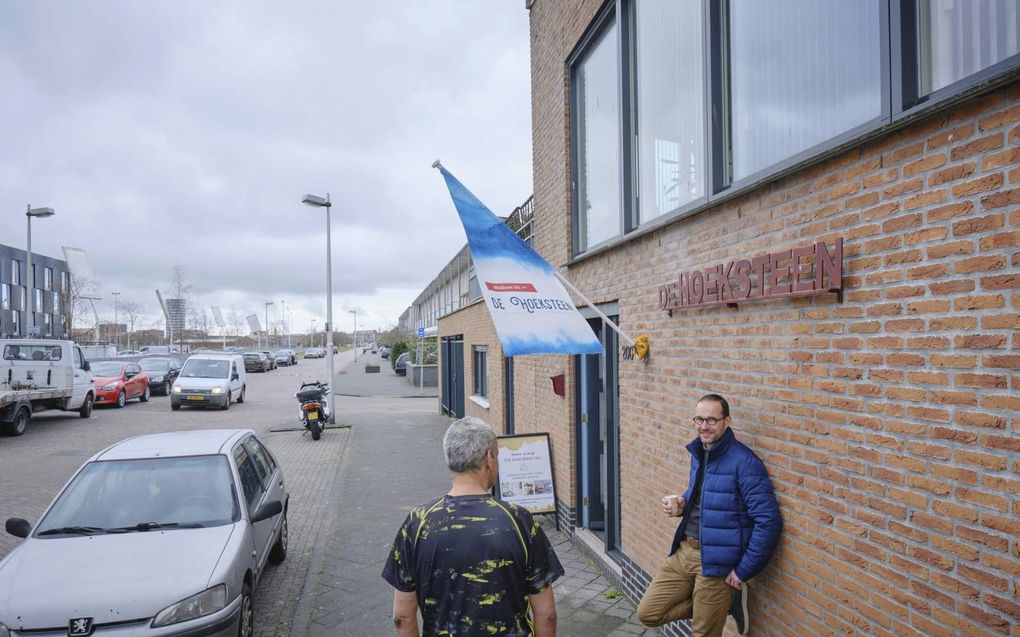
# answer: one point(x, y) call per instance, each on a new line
point(729, 528)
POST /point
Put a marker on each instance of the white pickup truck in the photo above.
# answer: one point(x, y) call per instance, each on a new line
point(40, 374)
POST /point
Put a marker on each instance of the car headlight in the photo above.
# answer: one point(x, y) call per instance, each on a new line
point(156, 379)
point(205, 603)
point(217, 390)
point(109, 387)
point(177, 389)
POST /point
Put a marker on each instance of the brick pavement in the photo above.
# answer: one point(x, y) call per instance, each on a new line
point(394, 463)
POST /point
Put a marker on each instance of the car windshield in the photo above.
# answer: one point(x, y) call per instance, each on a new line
point(137, 495)
point(155, 366)
point(106, 368)
point(205, 368)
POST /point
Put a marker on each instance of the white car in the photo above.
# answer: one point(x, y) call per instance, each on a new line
point(163, 534)
point(209, 380)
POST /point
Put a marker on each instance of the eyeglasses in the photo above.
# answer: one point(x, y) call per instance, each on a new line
point(711, 422)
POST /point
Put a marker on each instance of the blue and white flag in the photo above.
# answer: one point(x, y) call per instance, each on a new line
point(530, 308)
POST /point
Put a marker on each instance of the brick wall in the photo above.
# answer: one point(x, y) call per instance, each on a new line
point(888, 422)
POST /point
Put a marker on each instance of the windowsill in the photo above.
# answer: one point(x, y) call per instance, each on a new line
point(481, 401)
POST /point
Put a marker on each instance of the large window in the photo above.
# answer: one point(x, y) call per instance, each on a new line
point(678, 104)
point(801, 72)
point(47, 278)
point(961, 37)
point(5, 296)
point(670, 102)
point(597, 126)
point(480, 370)
point(15, 272)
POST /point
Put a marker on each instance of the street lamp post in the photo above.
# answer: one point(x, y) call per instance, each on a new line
point(290, 321)
point(268, 303)
point(116, 325)
point(311, 335)
point(319, 202)
point(283, 320)
point(355, 313)
point(29, 273)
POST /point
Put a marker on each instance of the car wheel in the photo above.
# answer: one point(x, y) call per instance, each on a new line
point(17, 426)
point(240, 399)
point(175, 406)
point(316, 429)
point(246, 627)
point(279, 551)
point(121, 399)
point(166, 388)
point(145, 395)
point(86, 407)
point(226, 405)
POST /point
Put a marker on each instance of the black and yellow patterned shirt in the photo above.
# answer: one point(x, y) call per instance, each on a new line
point(472, 560)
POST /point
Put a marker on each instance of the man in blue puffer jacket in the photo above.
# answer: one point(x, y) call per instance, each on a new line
point(729, 529)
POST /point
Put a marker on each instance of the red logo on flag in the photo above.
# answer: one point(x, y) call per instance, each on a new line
point(510, 287)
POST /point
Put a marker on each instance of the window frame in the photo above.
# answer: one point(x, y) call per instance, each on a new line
point(899, 56)
point(480, 370)
point(605, 18)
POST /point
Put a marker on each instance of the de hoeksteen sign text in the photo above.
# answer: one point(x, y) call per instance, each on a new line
point(803, 271)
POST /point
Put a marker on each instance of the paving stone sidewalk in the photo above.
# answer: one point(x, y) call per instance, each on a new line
point(393, 463)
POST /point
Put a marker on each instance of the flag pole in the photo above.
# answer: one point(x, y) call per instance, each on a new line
point(605, 319)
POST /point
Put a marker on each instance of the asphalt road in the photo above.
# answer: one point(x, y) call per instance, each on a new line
point(35, 466)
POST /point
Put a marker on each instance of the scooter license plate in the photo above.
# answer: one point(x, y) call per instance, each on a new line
point(313, 415)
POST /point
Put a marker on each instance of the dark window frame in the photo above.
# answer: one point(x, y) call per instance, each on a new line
point(901, 104)
point(480, 370)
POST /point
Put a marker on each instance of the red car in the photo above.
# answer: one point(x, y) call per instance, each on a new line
point(116, 383)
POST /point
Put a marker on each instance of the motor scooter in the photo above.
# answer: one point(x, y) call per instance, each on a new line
point(314, 409)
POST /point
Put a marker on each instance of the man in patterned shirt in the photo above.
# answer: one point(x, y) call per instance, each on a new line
point(472, 564)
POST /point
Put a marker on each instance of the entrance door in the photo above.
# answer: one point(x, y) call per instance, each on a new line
point(452, 353)
point(598, 438)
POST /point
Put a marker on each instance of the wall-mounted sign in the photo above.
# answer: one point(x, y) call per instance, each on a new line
point(525, 472)
point(804, 271)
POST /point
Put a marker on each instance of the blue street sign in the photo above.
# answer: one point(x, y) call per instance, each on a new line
point(421, 332)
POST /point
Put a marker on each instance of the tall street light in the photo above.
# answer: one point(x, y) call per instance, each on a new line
point(116, 325)
point(319, 202)
point(268, 303)
point(355, 313)
point(283, 320)
point(29, 272)
point(311, 335)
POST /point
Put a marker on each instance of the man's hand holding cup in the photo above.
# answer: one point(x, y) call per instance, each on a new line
point(673, 505)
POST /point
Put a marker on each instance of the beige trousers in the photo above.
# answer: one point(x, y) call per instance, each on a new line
point(680, 591)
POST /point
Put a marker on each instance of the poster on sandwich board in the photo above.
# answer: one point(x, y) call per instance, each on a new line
point(525, 472)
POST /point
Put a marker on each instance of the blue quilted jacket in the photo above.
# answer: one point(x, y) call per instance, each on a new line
point(740, 520)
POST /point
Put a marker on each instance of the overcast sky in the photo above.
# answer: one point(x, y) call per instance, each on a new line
point(186, 132)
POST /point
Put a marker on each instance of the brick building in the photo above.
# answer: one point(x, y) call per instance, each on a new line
point(673, 137)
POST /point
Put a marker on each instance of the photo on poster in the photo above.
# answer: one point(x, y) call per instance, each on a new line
point(525, 472)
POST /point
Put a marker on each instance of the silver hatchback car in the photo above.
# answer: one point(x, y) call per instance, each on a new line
point(164, 534)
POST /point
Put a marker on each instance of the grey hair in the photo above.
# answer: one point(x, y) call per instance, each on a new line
point(466, 442)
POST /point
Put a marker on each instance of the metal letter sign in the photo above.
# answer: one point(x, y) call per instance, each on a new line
point(804, 271)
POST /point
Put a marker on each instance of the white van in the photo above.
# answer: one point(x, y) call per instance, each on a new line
point(209, 380)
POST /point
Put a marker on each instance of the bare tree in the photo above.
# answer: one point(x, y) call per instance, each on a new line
point(132, 313)
point(198, 319)
point(80, 308)
point(235, 321)
point(180, 289)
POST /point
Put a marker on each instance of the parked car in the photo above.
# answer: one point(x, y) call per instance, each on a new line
point(178, 527)
point(256, 362)
point(315, 352)
point(285, 357)
point(117, 382)
point(384, 352)
point(271, 357)
point(400, 365)
point(162, 373)
point(210, 379)
point(128, 352)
